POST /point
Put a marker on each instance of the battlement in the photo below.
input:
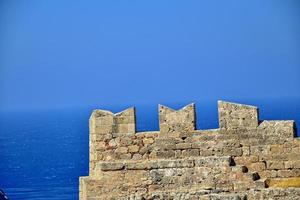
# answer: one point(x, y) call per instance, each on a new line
point(243, 154)
point(106, 122)
point(233, 116)
point(174, 121)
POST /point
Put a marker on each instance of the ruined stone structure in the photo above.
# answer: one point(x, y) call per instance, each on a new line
point(244, 158)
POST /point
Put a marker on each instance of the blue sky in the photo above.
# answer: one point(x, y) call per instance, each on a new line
point(57, 54)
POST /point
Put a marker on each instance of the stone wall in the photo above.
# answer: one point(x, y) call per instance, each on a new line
point(244, 158)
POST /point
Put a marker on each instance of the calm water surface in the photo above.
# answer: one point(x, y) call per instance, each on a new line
point(43, 153)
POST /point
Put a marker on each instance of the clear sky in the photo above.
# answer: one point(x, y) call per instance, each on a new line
point(80, 53)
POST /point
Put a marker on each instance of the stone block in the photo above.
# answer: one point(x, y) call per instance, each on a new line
point(102, 130)
point(126, 156)
point(100, 146)
point(293, 156)
point(275, 165)
point(110, 166)
point(133, 149)
point(177, 153)
point(283, 130)
point(284, 182)
point(143, 150)
point(131, 128)
point(124, 141)
point(260, 184)
point(259, 150)
point(190, 153)
point(276, 149)
point(247, 160)
point(122, 128)
point(241, 186)
point(258, 166)
point(183, 146)
point(166, 154)
point(137, 156)
point(237, 116)
point(268, 173)
point(148, 141)
point(292, 164)
point(121, 150)
point(232, 152)
point(206, 152)
point(284, 173)
point(112, 143)
point(137, 165)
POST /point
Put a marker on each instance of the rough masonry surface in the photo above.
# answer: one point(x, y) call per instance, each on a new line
point(244, 158)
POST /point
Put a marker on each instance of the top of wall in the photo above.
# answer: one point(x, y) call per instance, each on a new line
point(232, 116)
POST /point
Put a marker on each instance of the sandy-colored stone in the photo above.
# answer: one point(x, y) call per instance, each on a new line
point(133, 148)
point(284, 182)
point(243, 159)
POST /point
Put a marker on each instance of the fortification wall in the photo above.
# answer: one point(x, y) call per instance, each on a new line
point(244, 158)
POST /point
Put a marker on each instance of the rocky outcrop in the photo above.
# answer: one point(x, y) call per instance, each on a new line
point(244, 158)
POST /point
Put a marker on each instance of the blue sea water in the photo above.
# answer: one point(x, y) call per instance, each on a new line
point(44, 152)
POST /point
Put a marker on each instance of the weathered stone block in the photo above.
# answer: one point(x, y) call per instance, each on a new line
point(292, 164)
point(143, 150)
point(133, 148)
point(183, 146)
point(284, 173)
point(233, 116)
point(284, 182)
point(206, 152)
point(275, 165)
point(126, 156)
point(258, 166)
point(148, 141)
point(121, 150)
point(268, 173)
point(276, 149)
point(137, 156)
point(110, 166)
point(281, 130)
point(100, 146)
point(232, 152)
point(166, 154)
point(246, 160)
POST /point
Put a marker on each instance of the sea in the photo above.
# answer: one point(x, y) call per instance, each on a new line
point(44, 152)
